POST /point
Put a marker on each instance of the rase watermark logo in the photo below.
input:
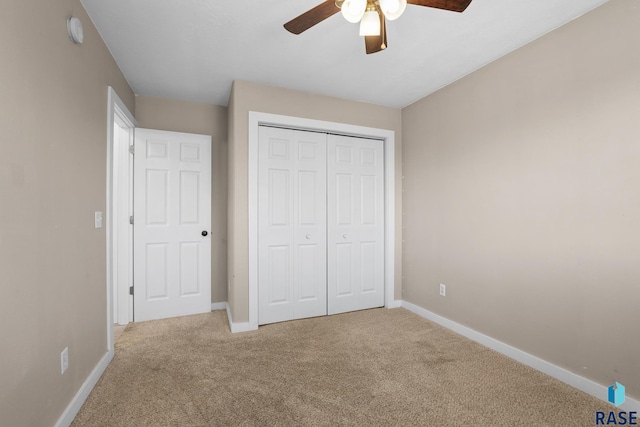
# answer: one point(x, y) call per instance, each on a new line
point(620, 418)
point(616, 394)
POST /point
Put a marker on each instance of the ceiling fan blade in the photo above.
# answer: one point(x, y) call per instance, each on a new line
point(375, 44)
point(312, 17)
point(452, 5)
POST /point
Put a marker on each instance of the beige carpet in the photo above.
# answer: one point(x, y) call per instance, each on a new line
point(371, 368)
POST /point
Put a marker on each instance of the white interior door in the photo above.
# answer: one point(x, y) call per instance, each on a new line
point(355, 223)
point(291, 225)
point(172, 221)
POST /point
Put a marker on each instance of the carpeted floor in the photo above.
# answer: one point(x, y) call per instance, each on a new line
point(372, 368)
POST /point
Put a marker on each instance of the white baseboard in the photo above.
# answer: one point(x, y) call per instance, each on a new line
point(234, 326)
point(583, 384)
point(239, 326)
point(219, 306)
point(78, 400)
point(394, 304)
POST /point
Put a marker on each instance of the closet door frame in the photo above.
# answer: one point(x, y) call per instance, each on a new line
point(256, 119)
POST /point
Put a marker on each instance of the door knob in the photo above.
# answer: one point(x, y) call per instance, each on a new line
point(344, 236)
point(204, 233)
point(308, 236)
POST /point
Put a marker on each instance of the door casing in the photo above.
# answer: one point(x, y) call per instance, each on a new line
point(116, 110)
point(387, 136)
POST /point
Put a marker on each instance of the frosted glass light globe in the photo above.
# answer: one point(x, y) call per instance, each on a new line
point(370, 24)
point(352, 10)
point(392, 9)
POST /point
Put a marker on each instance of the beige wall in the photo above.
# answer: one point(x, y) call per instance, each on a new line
point(247, 97)
point(205, 119)
point(521, 184)
point(53, 121)
point(522, 196)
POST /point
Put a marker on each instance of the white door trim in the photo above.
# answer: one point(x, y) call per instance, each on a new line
point(388, 136)
point(115, 108)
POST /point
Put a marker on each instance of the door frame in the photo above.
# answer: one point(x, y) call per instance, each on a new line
point(122, 230)
point(256, 119)
point(116, 110)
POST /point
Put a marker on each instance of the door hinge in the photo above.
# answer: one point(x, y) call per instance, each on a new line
point(132, 149)
point(131, 220)
point(130, 290)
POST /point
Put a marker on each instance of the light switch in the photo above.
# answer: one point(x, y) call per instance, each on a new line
point(98, 219)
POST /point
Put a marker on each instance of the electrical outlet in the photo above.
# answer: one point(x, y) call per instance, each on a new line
point(64, 359)
point(443, 289)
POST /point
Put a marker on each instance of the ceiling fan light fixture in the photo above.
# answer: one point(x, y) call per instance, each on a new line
point(353, 10)
point(370, 23)
point(392, 9)
point(372, 15)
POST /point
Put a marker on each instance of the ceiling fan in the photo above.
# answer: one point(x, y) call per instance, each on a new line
point(371, 14)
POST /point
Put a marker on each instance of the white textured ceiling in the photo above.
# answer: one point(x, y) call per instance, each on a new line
point(193, 49)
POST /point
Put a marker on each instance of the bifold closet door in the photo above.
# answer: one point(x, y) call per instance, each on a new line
point(292, 234)
point(355, 177)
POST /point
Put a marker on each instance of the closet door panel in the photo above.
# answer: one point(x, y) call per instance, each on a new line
point(310, 233)
point(291, 225)
point(275, 226)
point(355, 224)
